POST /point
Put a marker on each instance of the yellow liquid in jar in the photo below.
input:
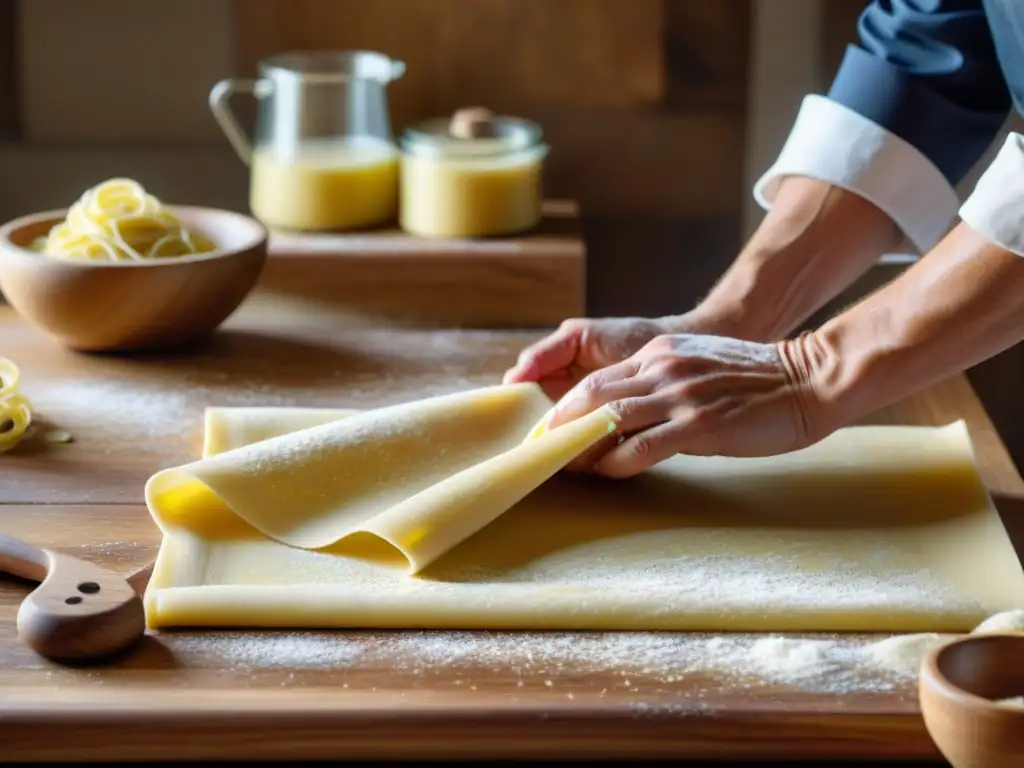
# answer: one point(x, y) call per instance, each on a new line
point(341, 183)
point(470, 198)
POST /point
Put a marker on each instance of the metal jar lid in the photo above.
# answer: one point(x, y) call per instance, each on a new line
point(471, 133)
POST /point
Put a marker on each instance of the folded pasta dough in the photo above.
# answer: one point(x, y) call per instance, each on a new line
point(421, 476)
point(449, 512)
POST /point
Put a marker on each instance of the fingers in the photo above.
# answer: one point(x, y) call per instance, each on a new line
point(685, 394)
point(616, 382)
point(633, 401)
point(636, 419)
point(645, 449)
point(547, 357)
point(585, 462)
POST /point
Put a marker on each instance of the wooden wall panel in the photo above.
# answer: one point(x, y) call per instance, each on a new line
point(8, 70)
point(839, 29)
point(643, 102)
point(121, 70)
point(645, 162)
point(706, 54)
point(535, 52)
point(509, 54)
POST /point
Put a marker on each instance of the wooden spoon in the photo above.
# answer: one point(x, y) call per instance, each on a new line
point(80, 612)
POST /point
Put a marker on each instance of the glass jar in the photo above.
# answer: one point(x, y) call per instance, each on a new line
point(473, 175)
point(323, 156)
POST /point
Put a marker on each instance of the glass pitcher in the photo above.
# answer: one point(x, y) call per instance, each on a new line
point(323, 156)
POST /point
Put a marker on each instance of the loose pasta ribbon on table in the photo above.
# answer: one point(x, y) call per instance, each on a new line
point(15, 408)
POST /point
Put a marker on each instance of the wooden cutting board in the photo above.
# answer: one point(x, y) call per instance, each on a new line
point(361, 694)
point(533, 279)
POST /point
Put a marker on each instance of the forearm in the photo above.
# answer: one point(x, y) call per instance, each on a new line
point(816, 240)
point(958, 306)
point(917, 66)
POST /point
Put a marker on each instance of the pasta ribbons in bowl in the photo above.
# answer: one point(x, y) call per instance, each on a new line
point(119, 270)
point(119, 221)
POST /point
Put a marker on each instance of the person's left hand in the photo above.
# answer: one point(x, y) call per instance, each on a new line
point(701, 395)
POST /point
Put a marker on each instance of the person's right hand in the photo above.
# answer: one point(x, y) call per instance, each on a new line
point(581, 346)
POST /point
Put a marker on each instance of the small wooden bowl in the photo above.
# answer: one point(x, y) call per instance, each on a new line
point(133, 305)
point(960, 685)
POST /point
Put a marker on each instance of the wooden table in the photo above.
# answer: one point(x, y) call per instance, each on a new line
point(352, 694)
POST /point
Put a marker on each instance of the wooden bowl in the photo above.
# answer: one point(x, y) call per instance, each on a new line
point(133, 305)
point(960, 685)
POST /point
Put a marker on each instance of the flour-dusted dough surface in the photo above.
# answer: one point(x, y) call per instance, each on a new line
point(449, 513)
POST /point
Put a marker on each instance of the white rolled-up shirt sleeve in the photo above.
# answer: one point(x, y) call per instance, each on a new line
point(835, 144)
point(995, 209)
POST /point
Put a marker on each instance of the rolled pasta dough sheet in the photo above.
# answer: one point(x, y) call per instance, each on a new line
point(450, 512)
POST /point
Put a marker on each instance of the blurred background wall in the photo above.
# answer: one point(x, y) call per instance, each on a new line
point(645, 104)
point(660, 113)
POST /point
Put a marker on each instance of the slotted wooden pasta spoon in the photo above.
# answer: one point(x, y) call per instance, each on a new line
point(79, 612)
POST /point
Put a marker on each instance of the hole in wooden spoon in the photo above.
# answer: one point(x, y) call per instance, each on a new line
point(73, 600)
point(88, 587)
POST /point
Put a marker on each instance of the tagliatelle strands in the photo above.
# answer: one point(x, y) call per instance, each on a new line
point(119, 221)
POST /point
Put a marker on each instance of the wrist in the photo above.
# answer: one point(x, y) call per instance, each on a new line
point(716, 318)
point(813, 368)
point(835, 373)
point(954, 308)
point(843, 371)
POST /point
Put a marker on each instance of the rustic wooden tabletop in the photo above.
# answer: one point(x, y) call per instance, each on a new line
point(358, 694)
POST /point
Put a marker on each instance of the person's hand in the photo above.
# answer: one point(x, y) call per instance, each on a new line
point(701, 395)
point(579, 347)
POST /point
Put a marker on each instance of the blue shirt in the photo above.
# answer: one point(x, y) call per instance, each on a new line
point(914, 106)
point(941, 74)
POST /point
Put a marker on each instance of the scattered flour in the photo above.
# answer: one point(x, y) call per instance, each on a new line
point(1008, 621)
point(827, 665)
point(270, 650)
point(903, 653)
point(133, 409)
point(154, 409)
point(824, 664)
point(166, 399)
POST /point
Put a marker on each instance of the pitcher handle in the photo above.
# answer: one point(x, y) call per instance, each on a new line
point(220, 98)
